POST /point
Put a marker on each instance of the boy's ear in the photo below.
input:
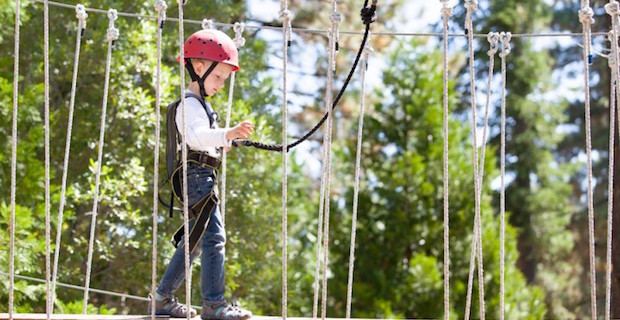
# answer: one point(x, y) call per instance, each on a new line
point(198, 66)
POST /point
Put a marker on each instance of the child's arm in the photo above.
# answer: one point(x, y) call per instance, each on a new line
point(240, 131)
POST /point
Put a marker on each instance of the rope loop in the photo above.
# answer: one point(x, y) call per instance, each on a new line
point(239, 39)
point(612, 8)
point(160, 7)
point(369, 14)
point(446, 11)
point(207, 24)
point(285, 14)
point(471, 4)
point(493, 38)
point(286, 17)
point(113, 33)
point(335, 17)
point(504, 38)
point(80, 13)
point(586, 16)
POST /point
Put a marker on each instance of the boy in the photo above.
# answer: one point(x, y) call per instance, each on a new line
point(210, 57)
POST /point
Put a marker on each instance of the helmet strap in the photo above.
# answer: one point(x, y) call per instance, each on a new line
point(194, 76)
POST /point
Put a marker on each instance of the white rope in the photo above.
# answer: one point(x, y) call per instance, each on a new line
point(319, 232)
point(610, 179)
point(613, 9)
point(81, 16)
point(207, 24)
point(477, 233)
point(505, 39)
point(14, 158)
point(111, 36)
point(446, 12)
point(324, 32)
point(188, 280)
point(585, 17)
point(358, 156)
point(160, 7)
point(285, 14)
point(333, 35)
point(76, 287)
point(239, 42)
point(46, 124)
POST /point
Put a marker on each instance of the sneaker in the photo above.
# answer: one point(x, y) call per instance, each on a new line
point(220, 310)
point(169, 307)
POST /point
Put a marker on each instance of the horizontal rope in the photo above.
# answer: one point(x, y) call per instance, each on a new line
point(72, 286)
point(325, 31)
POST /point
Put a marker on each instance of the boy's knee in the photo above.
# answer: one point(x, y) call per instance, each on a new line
point(214, 240)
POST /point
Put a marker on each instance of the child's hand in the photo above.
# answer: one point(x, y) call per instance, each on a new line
point(240, 131)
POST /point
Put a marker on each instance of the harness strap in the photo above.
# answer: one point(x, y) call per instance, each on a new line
point(202, 212)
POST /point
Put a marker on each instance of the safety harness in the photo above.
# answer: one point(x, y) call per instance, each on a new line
point(201, 210)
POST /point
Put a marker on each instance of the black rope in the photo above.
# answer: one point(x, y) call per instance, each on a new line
point(369, 16)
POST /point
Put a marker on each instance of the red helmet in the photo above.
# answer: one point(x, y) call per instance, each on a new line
point(212, 45)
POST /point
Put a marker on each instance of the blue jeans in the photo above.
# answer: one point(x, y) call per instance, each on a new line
point(200, 182)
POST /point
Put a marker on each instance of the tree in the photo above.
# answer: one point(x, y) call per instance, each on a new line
point(539, 196)
point(399, 261)
point(122, 253)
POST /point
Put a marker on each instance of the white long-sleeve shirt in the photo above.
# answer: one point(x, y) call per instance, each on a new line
point(200, 135)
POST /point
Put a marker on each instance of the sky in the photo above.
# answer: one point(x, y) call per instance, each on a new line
point(426, 13)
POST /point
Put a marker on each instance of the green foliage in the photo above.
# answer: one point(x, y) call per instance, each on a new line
point(399, 263)
point(124, 232)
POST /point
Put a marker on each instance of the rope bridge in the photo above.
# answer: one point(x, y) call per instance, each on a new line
point(498, 42)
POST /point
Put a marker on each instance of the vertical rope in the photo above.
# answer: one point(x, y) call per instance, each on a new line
point(188, 280)
point(358, 156)
point(335, 18)
point(112, 35)
point(610, 179)
point(446, 12)
point(285, 14)
point(319, 240)
point(160, 7)
point(505, 38)
point(585, 17)
point(46, 124)
point(239, 42)
point(477, 234)
point(81, 16)
point(613, 9)
point(493, 38)
point(14, 158)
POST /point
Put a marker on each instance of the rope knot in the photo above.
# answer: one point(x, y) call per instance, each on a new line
point(239, 39)
point(112, 33)
point(160, 7)
point(80, 12)
point(285, 14)
point(112, 15)
point(586, 16)
point(207, 24)
point(369, 14)
point(335, 17)
point(471, 4)
point(612, 8)
point(504, 38)
point(446, 11)
point(493, 38)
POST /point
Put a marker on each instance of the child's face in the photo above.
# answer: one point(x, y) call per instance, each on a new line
point(217, 79)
